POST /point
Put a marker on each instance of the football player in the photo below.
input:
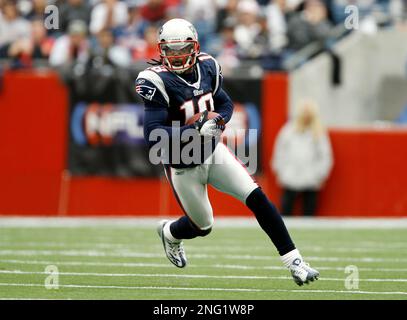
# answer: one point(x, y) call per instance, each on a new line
point(183, 83)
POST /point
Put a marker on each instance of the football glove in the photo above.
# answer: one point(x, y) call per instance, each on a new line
point(210, 128)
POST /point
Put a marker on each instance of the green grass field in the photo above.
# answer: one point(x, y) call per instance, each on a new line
point(124, 259)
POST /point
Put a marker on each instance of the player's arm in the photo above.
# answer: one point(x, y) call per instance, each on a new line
point(156, 110)
point(155, 117)
point(222, 102)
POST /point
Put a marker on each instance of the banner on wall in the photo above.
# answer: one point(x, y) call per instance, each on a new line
point(107, 138)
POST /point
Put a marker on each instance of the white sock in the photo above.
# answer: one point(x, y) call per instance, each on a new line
point(289, 257)
point(167, 232)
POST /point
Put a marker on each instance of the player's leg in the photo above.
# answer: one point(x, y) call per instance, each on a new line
point(190, 189)
point(310, 202)
point(231, 177)
point(287, 202)
point(228, 175)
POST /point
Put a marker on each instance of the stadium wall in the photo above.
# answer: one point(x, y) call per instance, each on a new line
point(368, 179)
point(369, 84)
point(33, 135)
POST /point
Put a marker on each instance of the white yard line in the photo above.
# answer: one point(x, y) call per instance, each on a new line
point(168, 265)
point(220, 222)
point(205, 289)
point(191, 247)
point(107, 243)
point(85, 245)
point(29, 299)
point(132, 254)
point(188, 276)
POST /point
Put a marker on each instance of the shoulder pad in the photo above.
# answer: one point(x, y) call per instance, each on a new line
point(155, 79)
point(217, 69)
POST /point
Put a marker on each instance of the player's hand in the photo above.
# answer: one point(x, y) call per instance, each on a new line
point(201, 121)
point(220, 123)
point(210, 128)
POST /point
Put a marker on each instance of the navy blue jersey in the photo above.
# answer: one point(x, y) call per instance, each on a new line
point(171, 97)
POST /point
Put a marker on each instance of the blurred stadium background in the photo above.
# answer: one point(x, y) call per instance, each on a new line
point(71, 124)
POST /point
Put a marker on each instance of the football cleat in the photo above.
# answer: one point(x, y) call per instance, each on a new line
point(302, 272)
point(173, 249)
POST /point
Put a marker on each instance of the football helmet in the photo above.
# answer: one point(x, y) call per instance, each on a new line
point(178, 45)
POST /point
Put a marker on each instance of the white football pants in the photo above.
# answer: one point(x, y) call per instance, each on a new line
point(223, 171)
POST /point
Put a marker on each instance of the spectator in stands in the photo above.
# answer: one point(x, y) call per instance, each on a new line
point(136, 23)
point(227, 55)
point(249, 32)
point(38, 46)
point(73, 10)
point(107, 72)
point(267, 31)
point(197, 10)
point(132, 34)
point(154, 11)
point(105, 52)
point(70, 48)
point(108, 14)
point(228, 12)
point(277, 25)
point(69, 56)
point(146, 49)
point(262, 39)
point(309, 25)
point(202, 15)
point(302, 159)
point(12, 26)
point(37, 10)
